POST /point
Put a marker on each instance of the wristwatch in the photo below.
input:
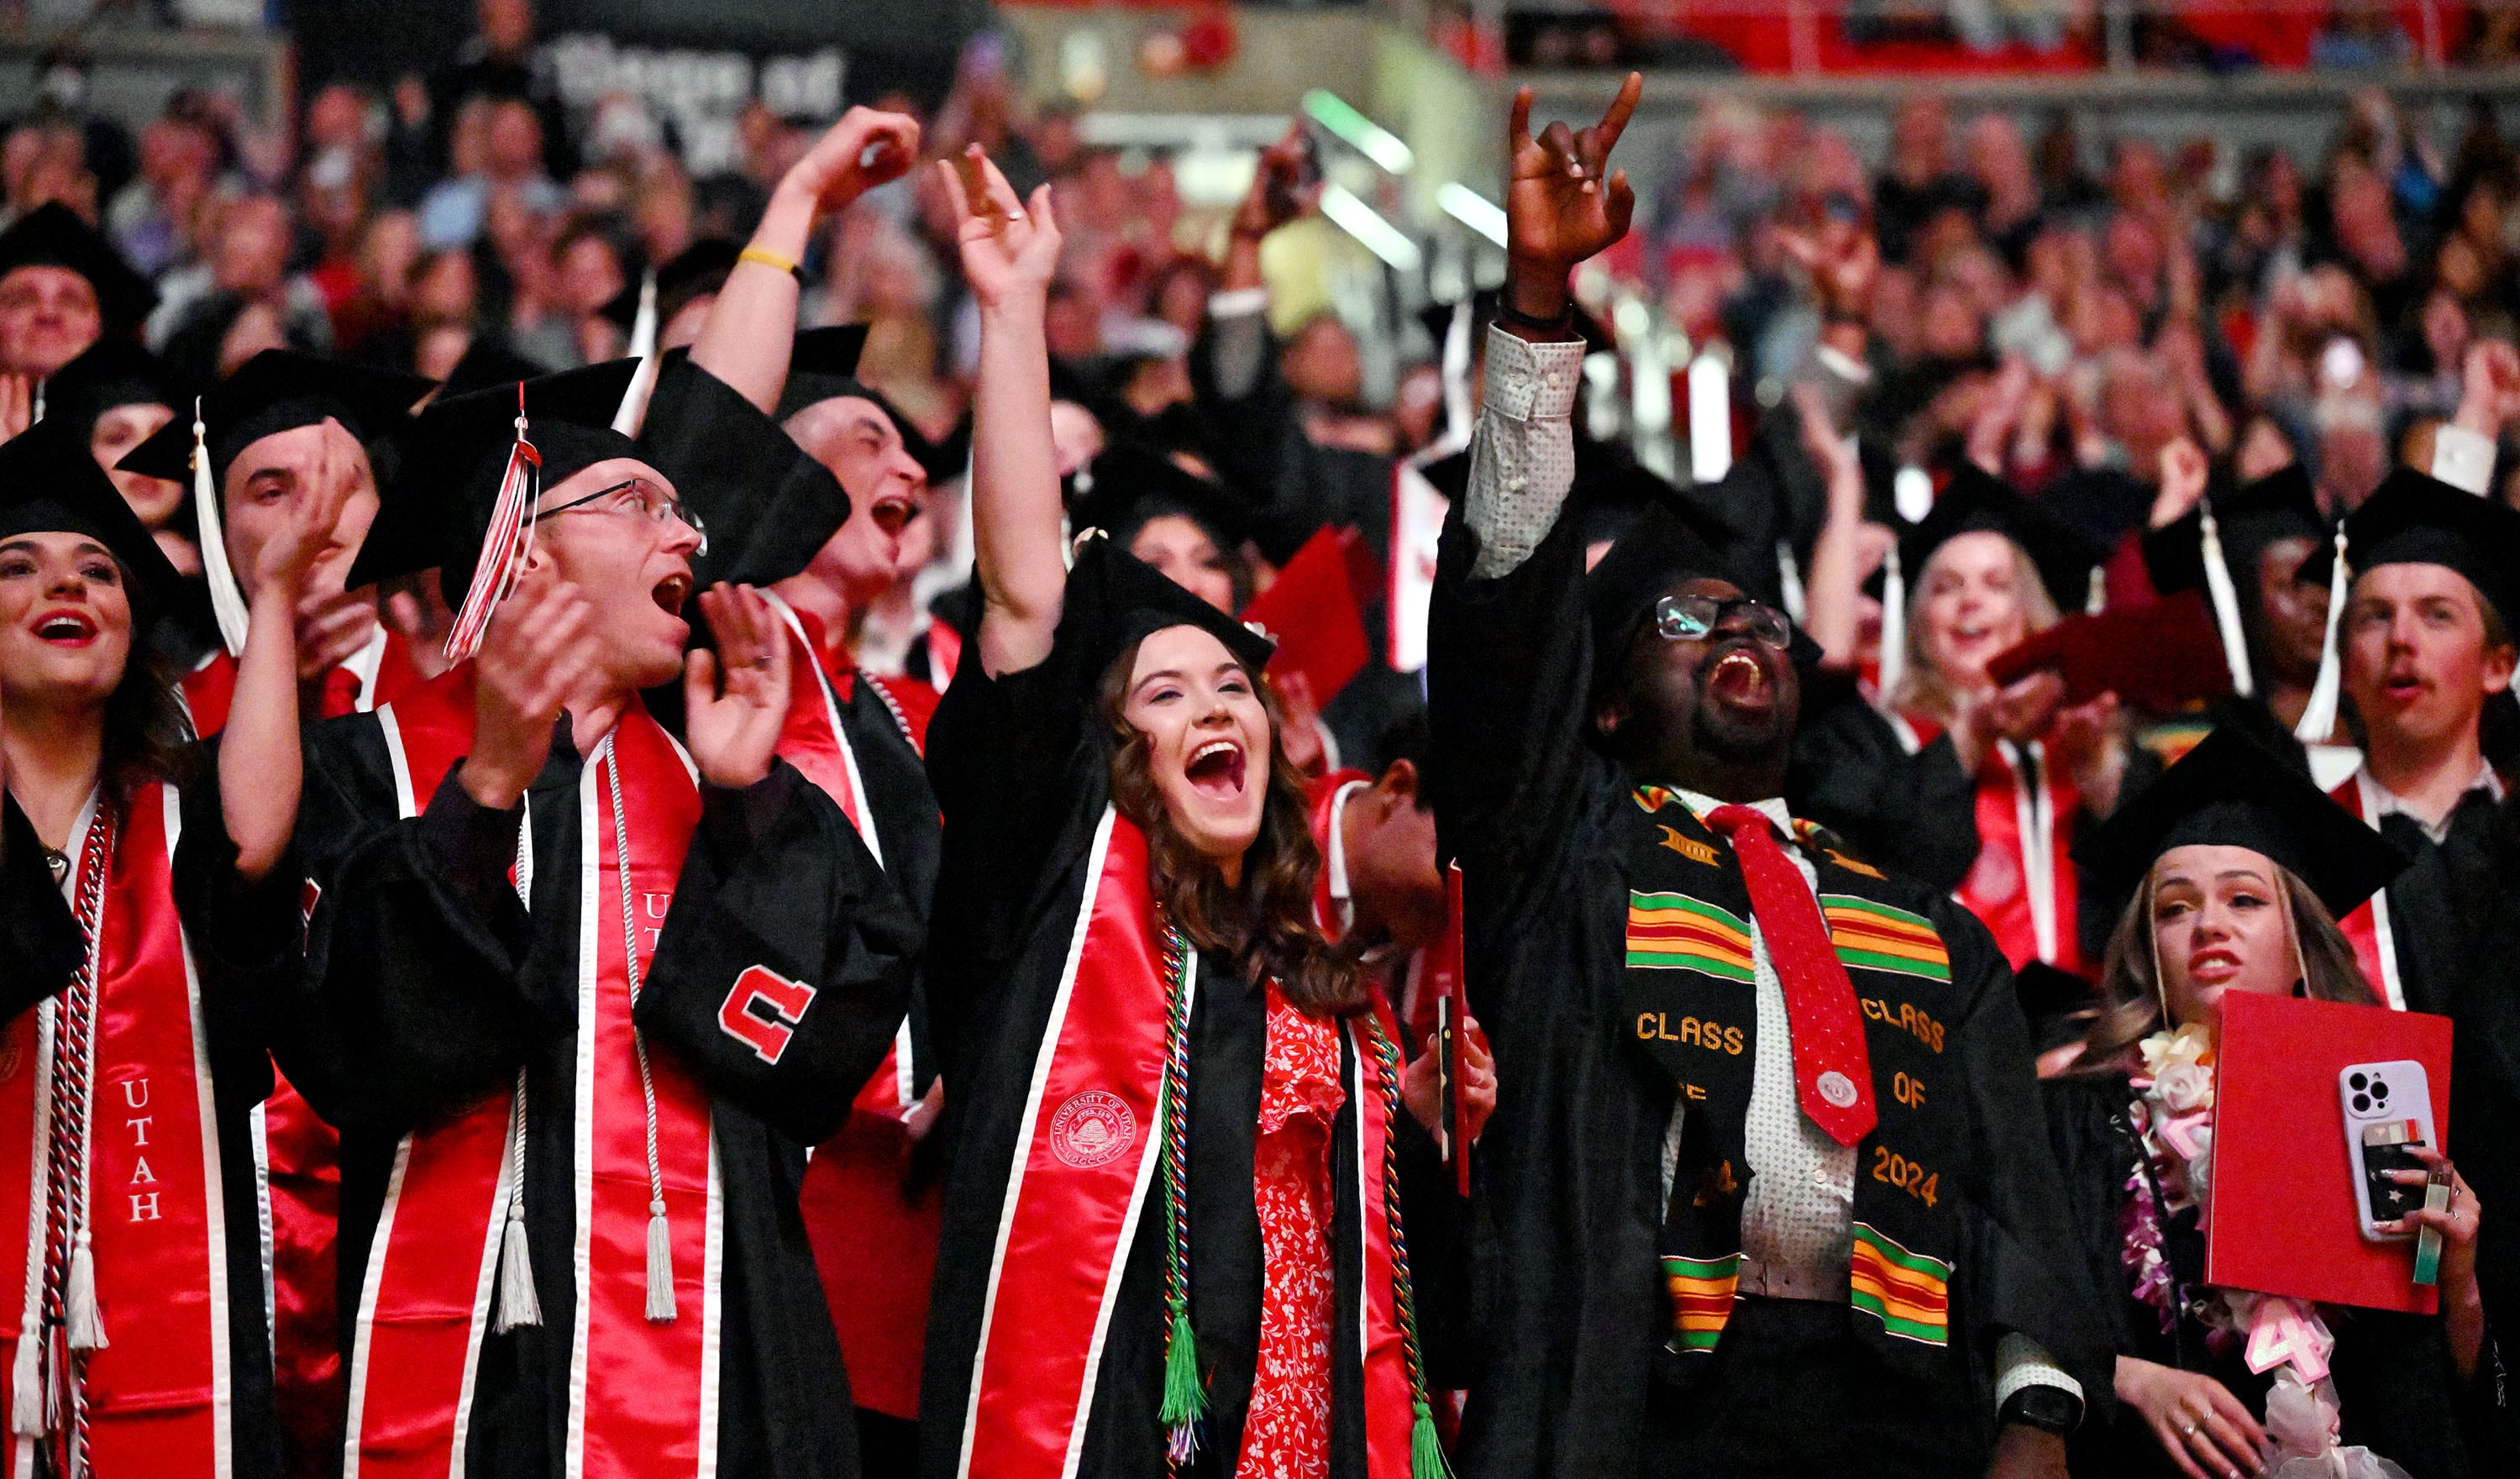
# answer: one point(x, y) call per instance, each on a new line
point(2049, 1408)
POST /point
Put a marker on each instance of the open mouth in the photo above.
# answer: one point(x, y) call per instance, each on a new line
point(670, 593)
point(68, 628)
point(892, 514)
point(1215, 770)
point(1739, 678)
point(2212, 967)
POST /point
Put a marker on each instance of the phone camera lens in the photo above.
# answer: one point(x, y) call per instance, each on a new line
point(2361, 1103)
point(2381, 1091)
point(2359, 1083)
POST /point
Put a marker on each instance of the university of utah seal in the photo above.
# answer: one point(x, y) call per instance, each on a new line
point(1091, 1128)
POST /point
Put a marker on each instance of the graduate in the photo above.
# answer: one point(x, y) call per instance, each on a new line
point(117, 395)
point(144, 919)
point(2238, 868)
point(583, 990)
point(244, 452)
point(1767, 1188)
point(1953, 780)
point(1174, 1236)
point(63, 287)
point(2265, 532)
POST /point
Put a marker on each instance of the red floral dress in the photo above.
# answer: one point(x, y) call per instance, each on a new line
point(1286, 1434)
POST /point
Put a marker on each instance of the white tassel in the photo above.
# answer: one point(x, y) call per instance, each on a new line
point(661, 1265)
point(2095, 594)
point(227, 598)
point(27, 1382)
point(1894, 626)
point(2318, 717)
point(86, 1326)
point(517, 1302)
point(643, 348)
point(2227, 605)
point(1789, 577)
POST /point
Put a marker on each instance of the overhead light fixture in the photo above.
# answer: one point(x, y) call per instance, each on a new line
point(1359, 132)
point(1471, 210)
point(1367, 225)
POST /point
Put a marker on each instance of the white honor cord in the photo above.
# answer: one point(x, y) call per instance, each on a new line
point(660, 1276)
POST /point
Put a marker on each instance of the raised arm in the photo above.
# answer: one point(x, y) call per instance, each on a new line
point(1010, 250)
point(749, 330)
point(261, 770)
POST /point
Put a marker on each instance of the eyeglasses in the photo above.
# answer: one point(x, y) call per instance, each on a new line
point(637, 498)
point(1695, 619)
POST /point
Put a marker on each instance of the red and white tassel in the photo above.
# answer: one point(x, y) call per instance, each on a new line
point(505, 547)
point(661, 1265)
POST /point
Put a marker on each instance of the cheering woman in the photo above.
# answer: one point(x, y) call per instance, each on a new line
point(130, 1058)
point(1173, 1240)
point(2238, 868)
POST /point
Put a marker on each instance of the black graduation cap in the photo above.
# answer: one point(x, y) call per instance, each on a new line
point(52, 235)
point(2056, 1004)
point(2233, 791)
point(1669, 543)
point(2282, 505)
point(436, 511)
point(1132, 483)
point(49, 481)
point(281, 391)
point(824, 364)
point(1977, 502)
point(770, 507)
point(487, 361)
point(2418, 519)
point(112, 373)
point(697, 271)
point(1115, 599)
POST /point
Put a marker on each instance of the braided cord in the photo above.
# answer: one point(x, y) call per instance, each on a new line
point(66, 1168)
point(1426, 1453)
point(1185, 1401)
point(630, 964)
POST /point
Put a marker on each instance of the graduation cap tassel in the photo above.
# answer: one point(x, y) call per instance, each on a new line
point(1789, 576)
point(1894, 626)
point(2318, 717)
point(2226, 605)
point(227, 600)
point(643, 348)
point(505, 547)
point(2095, 594)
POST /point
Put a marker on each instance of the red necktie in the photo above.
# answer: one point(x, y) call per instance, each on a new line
point(340, 692)
point(1832, 1073)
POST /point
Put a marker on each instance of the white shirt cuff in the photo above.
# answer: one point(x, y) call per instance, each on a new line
point(2463, 459)
point(1530, 381)
point(2021, 1362)
point(1241, 303)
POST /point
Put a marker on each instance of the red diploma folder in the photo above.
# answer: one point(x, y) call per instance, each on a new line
point(2161, 657)
point(2283, 1218)
point(1314, 612)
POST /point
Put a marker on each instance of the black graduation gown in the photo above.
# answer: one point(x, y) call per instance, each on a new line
point(2394, 1384)
point(431, 985)
point(906, 823)
point(1024, 781)
point(1568, 1203)
point(241, 938)
point(2476, 921)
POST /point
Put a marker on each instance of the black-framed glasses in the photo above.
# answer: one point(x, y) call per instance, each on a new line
point(639, 498)
point(1695, 619)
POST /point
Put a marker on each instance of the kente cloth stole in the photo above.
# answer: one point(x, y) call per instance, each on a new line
point(1085, 1162)
point(155, 1397)
point(2368, 927)
point(644, 1394)
point(1689, 1005)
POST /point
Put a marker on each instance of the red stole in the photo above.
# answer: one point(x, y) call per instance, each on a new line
point(875, 1243)
point(2024, 887)
point(944, 652)
point(645, 1394)
point(209, 689)
point(2367, 927)
point(158, 1393)
point(1083, 1167)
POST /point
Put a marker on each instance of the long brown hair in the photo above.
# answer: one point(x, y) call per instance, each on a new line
point(2131, 979)
point(1265, 927)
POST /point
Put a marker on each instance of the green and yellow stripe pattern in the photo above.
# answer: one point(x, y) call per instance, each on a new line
point(1879, 937)
point(1701, 1298)
point(1910, 1293)
point(1670, 932)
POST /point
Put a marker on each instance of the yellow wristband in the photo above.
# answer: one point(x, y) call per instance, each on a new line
point(767, 259)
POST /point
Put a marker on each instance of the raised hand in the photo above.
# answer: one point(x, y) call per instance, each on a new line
point(1560, 205)
point(735, 700)
point(1278, 190)
point(2489, 396)
point(1010, 252)
point(2182, 481)
point(1844, 260)
point(862, 150)
point(537, 656)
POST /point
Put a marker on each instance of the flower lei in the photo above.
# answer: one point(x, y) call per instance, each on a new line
point(2173, 1125)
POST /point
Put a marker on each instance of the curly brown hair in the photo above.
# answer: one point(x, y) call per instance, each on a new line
point(1264, 926)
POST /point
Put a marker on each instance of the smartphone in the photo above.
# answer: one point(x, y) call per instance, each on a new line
point(2388, 1117)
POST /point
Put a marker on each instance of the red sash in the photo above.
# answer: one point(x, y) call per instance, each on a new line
point(2367, 927)
point(1081, 1173)
point(2018, 860)
point(158, 1393)
point(209, 689)
point(944, 652)
point(646, 1391)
